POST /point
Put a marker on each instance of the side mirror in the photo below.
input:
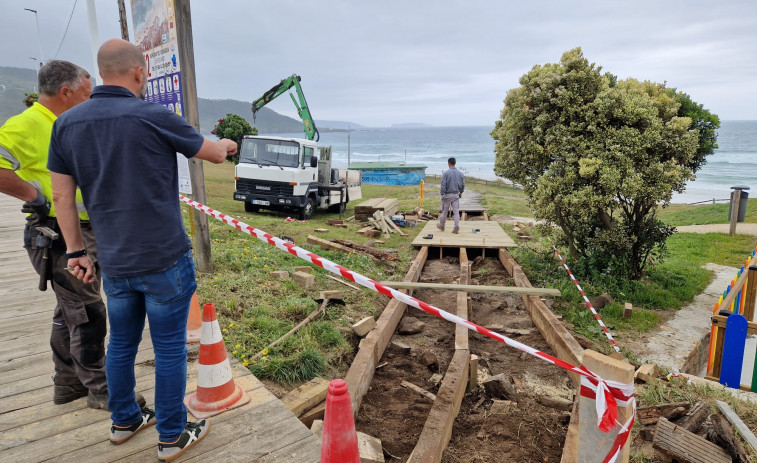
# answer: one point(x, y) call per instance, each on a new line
point(313, 161)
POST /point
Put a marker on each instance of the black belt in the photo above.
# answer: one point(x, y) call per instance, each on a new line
point(52, 223)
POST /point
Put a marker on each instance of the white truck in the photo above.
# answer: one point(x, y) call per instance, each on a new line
point(292, 174)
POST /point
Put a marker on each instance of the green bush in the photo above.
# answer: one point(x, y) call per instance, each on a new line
point(233, 127)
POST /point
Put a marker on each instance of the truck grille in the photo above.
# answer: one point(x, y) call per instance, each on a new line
point(264, 187)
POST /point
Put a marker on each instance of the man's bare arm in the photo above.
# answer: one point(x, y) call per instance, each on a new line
point(11, 184)
point(216, 151)
point(64, 197)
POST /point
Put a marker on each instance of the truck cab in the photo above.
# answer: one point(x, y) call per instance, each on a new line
point(291, 174)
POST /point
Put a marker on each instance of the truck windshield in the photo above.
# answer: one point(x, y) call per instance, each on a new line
point(270, 152)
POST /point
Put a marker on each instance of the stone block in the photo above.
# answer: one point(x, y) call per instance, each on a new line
point(303, 279)
point(647, 373)
point(369, 449)
point(303, 268)
point(280, 274)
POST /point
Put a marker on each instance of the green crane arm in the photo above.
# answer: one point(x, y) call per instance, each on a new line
point(302, 106)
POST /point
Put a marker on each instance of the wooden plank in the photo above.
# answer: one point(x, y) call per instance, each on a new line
point(735, 288)
point(326, 244)
point(490, 235)
point(461, 306)
point(342, 282)
point(418, 389)
point(733, 351)
point(474, 288)
point(554, 332)
point(437, 430)
point(721, 320)
point(372, 347)
point(734, 419)
point(687, 446)
point(306, 396)
point(751, 293)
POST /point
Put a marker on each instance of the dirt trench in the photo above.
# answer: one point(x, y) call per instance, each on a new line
point(485, 430)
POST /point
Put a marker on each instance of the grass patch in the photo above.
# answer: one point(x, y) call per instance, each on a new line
point(703, 214)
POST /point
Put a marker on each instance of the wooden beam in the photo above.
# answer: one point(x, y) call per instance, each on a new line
point(474, 288)
point(438, 427)
point(461, 308)
point(686, 446)
point(720, 321)
point(306, 396)
point(736, 421)
point(372, 347)
point(326, 244)
point(554, 332)
point(419, 390)
point(342, 282)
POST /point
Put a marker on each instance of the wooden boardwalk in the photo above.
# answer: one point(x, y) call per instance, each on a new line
point(33, 429)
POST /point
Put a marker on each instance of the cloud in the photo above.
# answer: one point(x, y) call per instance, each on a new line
point(443, 62)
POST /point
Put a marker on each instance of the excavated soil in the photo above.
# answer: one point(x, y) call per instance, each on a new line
point(485, 430)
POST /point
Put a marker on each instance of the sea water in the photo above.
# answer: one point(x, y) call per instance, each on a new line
point(733, 163)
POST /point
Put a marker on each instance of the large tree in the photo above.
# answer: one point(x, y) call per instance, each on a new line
point(596, 156)
point(234, 127)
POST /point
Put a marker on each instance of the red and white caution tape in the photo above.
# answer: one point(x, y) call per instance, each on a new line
point(609, 408)
point(588, 302)
point(601, 393)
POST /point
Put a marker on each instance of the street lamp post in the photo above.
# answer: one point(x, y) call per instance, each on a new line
point(39, 36)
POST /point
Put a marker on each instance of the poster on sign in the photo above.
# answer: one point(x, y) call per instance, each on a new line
point(155, 34)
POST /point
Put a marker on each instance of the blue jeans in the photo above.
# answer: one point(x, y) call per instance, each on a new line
point(164, 297)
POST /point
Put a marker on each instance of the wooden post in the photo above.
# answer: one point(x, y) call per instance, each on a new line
point(593, 444)
point(735, 200)
point(201, 230)
point(751, 293)
point(627, 310)
point(473, 375)
point(122, 19)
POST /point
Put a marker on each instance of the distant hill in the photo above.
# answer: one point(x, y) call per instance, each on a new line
point(411, 125)
point(338, 125)
point(14, 82)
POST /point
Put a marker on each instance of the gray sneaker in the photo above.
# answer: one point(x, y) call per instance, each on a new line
point(193, 433)
point(120, 434)
point(100, 401)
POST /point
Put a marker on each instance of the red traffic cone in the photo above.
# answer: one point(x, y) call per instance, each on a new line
point(194, 321)
point(339, 442)
point(216, 391)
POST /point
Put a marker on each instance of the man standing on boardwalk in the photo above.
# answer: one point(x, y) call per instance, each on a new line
point(453, 185)
point(121, 152)
point(78, 332)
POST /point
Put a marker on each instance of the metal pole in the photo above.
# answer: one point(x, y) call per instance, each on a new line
point(39, 36)
point(94, 38)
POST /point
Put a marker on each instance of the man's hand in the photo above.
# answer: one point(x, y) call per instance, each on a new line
point(231, 147)
point(38, 210)
point(460, 195)
point(82, 268)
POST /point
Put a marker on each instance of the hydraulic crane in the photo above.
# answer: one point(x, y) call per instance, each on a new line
point(302, 106)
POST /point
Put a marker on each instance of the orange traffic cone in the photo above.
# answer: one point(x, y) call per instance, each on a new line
point(339, 442)
point(194, 322)
point(216, 391)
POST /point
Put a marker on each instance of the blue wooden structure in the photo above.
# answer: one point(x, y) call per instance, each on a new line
point(390, 173)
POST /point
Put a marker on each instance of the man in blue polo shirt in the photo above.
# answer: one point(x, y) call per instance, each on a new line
point(121, 152)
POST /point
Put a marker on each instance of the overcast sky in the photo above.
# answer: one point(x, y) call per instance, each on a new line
point(441, 62)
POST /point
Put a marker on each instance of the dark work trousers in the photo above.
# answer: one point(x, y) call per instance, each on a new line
point(79, 320)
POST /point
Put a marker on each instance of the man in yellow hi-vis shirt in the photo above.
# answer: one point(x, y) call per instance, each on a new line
point(79, 320)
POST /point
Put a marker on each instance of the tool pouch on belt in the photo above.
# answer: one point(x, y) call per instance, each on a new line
point(36, 242)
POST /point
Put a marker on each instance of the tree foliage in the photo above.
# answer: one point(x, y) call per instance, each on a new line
point(233, 127)
point(596, 155)
point(30, 98)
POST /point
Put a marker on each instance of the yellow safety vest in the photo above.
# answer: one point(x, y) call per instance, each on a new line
point(24, 143)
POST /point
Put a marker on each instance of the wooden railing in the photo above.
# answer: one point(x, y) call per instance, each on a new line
point(732, 321)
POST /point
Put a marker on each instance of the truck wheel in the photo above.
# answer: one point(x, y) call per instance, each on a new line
point(249, 207)
point(338, 208)
point(306, 211)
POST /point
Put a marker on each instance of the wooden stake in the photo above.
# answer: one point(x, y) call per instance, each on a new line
point(473, 376)
point(293, 330)
point(342, 282)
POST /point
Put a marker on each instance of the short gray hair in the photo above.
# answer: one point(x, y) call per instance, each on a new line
point(57, 74)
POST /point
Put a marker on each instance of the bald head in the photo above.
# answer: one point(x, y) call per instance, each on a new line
point(118, 58)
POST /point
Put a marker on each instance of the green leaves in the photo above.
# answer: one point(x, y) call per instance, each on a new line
point(596, 155)
point(233, 127)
